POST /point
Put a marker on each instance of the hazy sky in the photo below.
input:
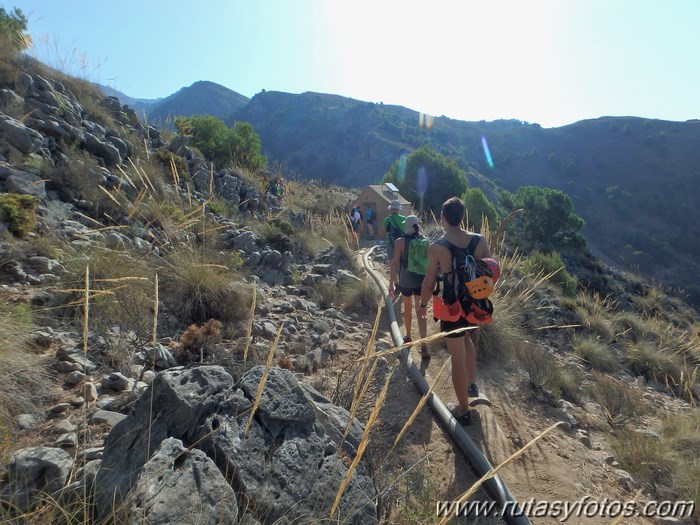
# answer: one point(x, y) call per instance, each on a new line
point(548, 61)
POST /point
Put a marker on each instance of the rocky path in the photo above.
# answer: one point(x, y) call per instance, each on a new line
point(563, 467)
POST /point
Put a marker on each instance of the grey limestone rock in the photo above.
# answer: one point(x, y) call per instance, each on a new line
point(285, 462)
point(19, 136)
point(182, 486)
point(33, 470)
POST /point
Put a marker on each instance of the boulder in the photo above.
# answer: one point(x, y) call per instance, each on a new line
point(182, 486)
point(285, 461)
point(19, 136)
point(34, 470)
point(26, 183)
point(102, 149)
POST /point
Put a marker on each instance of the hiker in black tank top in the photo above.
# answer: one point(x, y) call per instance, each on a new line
point(460, 346)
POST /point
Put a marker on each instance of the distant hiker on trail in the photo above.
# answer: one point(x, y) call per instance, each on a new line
point(370, 219)
point(266, 185)
point(281, 189)
point(355, 227)
point(453, 245)
point(410, 259)
point(362, 219)
point(393, 227)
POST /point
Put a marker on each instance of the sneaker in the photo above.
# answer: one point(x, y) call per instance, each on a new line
point(406, 339)
point(424, 352)
point(475, 398)
point(463, 417)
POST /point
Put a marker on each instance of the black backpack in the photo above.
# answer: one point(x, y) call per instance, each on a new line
point(465, 269)
point(393, 231)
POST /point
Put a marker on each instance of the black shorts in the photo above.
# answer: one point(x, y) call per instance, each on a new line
point(448, 326)
point(408, 292)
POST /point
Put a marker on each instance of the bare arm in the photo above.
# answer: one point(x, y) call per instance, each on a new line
point(482, 249)
point(430, 274)
point(394, 264)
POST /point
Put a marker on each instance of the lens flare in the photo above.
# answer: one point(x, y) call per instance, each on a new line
point(425, 120)
point(401, 172)
point(421, 184)
point(486, 151)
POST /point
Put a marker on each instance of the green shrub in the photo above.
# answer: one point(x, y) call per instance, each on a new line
point(284, 226)
point(551, 264)
point(19, 212)
point(12, 31)
point(222, 207)
point(168, 159)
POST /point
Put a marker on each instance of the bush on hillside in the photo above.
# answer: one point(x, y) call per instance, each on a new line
point(479, 208)
point(548, 221)
point(18, 212)
point(239, 145)
point(197, 341)
point(619, 401)
point(595, 353)
point(551, 263)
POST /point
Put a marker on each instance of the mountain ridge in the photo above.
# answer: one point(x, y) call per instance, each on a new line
point(634, 180)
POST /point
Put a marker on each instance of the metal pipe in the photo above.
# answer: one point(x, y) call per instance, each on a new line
point(512, 514)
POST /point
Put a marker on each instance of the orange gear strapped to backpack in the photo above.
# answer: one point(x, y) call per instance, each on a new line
point(453, 312)
point(477, 309)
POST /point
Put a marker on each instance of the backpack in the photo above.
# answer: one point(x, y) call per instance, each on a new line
point(393, 231)
point(467, 295)
point(415, 254)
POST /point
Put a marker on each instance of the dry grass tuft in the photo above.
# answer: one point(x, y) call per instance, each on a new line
point(643, 455)
point(23, 387)
point(361, 298)
point(326, 292)
point(595, 352)
point(196, 290)
point(653, 362)
point(620, 402)
point(537, 363)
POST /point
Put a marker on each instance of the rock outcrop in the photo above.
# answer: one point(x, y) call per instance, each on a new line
point(194, 421)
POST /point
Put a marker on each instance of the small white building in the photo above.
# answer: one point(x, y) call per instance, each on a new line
point(378, 197)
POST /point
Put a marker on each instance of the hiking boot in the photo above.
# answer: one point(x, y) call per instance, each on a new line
point(424, 352)
point(406, 339)
point(463, 417)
